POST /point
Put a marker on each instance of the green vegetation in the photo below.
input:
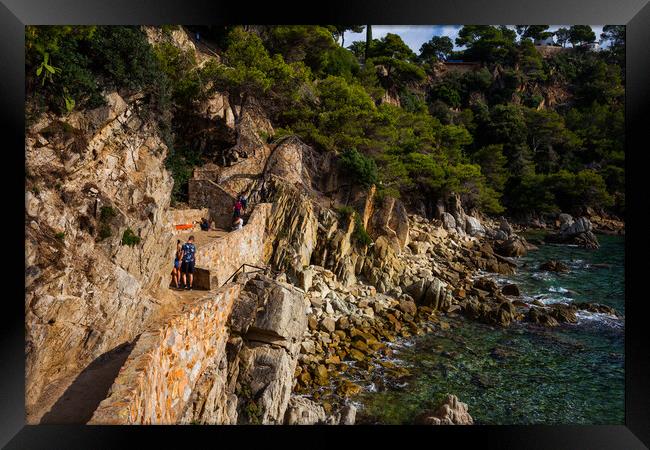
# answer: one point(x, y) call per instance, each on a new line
point(60, 236)
point(87, 60)
point(130, 238)
point(359, 235)
point(106, 214)
point(362, 168)
point(522, 134)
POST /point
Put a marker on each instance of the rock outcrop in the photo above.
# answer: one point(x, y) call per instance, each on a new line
point(92, 178)
point(575, 232)
point(251, 381)
point(451, 412)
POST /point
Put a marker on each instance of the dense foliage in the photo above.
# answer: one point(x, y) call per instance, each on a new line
point(522, 133)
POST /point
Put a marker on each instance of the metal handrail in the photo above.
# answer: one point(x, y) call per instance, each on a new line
point(242, 267)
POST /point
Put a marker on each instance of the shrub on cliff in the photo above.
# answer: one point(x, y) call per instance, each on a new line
point(362, 169)
point(130, 238)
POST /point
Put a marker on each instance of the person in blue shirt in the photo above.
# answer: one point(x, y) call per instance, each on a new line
point(189, 251)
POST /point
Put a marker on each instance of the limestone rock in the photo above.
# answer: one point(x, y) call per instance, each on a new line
point(302, 411)
point(451, 412)
point(578, 232)
point(473, 227)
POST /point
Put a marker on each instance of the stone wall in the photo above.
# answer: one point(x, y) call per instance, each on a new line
point(225, 255)
point(184, 216)
point(159, 376)
point(209, 195)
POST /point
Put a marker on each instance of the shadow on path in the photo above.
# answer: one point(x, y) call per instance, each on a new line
point(83, 396)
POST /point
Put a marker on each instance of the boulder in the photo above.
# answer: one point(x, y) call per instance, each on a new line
point(578, 232)
point(486, 284)
point(407, 307)
point(513, 246)
point(564, 313)
point(510, 289)
point(596, 307)
point(451, 412)
point(302, 411)
point(283, 319)
point(348, 415)
point(541, 316)
point(305, 278)
point(328, 324)
point(390, 220)
point(448, 221)
point(505, 227)
point(554, 266)
point(473, 227)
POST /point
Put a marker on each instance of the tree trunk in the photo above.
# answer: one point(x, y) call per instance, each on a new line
point(368, 41)
point(241, 100)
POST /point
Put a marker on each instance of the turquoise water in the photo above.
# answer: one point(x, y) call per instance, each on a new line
point(571, 374)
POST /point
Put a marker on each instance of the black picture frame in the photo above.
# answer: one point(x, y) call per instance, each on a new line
point(15, 14)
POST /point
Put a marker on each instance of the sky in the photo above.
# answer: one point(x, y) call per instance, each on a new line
point(415, 35)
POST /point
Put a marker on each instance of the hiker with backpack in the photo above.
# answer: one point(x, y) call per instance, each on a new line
point(187, 267)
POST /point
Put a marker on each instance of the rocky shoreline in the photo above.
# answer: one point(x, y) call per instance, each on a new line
point(350, 327)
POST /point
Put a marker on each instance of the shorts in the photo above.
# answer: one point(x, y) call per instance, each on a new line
point(236, 213)
point(177, 264)
point(187, 267)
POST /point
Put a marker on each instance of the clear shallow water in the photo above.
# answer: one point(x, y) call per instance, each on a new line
point(524, 374)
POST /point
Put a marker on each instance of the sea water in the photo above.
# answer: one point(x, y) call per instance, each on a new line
point(524, 374)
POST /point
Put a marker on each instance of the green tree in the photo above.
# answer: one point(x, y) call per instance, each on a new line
point(249, 72)
point(615, 36)
point(368, 42)
point(562, 36)
point(339, 31)
point(533, 31)
point(547, 133)
point(360, 167)
point(493, 166)
point(437, 48)
point(581, 35)
point(488, 43)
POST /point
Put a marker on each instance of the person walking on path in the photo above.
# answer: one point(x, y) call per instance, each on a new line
point(244, 202)
point(178, 258)
point(237, 210)
point(189, 251)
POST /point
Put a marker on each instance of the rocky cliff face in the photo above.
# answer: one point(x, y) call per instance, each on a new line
point(251, 381)
point(91, 178)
